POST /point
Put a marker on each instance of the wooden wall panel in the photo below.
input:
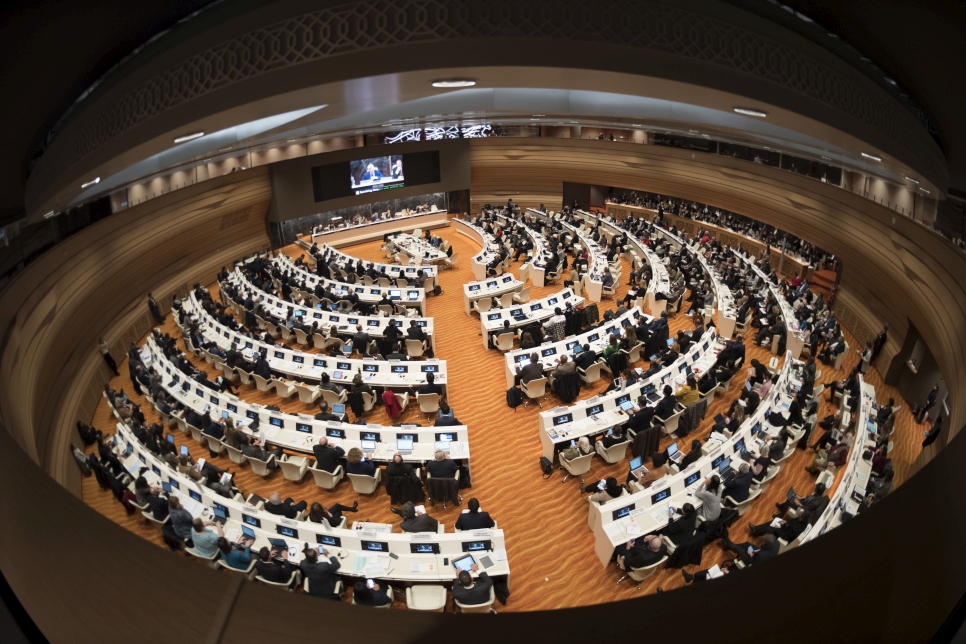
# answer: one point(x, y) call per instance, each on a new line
point(95, 284)
point(895, 269)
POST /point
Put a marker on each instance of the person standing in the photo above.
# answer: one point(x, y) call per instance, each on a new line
point(930, 403)
point(879, 342)
point(866, 359)
point(106, 352)
point(155, 310)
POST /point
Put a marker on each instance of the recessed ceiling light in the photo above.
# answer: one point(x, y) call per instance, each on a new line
point(189, 137)
point(912, 180)
point(49, 214)
point(447, 83)
point(574, 121)
point(291, 140)
point(539, 114)
point(224, 149)
point(534, 119)
point(693, 131)
point(636, 125)
point(90, 183)
point(926, 191)
point(871, 156)
point(747, 111)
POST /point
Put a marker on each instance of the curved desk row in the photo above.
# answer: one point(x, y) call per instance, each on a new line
point(344, 323)
point(401, 296)
point(362, 553)
point(550, 353)
point(854, 485)
point(520, 315)
point(634, 515)
point(392, 270)
point(563, 424)
point(489, 246)
point(309, 367)
point(301, 432)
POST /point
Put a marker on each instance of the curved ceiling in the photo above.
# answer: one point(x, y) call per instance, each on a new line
point(759, 78)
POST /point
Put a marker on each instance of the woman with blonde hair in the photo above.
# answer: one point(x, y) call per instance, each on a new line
point(359, 463)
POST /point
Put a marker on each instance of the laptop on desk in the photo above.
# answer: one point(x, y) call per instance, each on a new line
point(637, 467)
point(404, 445)
point(674, 454)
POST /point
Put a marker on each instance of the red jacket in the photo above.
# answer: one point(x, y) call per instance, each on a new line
point(392, 405)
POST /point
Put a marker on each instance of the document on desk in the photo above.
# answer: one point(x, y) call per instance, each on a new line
point(612, 529)
point(232, 535)
point(660, 513)
point(458, 448)
point(500, 555)
point(418, 567)
point(377, 564)
point(633, 528)
point(271, 433)
point(361, 562)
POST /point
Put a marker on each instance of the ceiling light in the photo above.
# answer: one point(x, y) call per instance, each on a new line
point(574, 121)
point(224, 149)
point(747, 111)
point(291, 140)
point(90, 183)
point(539, 114)
point(49, 214)
point(827, 158)
point(636, 125)
point(912, 180)
point(534, 119)
point(693, 131)
point(447, 83)
point(189, 137)
point(871, 156)
point(926, 191)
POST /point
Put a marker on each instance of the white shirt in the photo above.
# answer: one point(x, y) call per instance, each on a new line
point(105, 350)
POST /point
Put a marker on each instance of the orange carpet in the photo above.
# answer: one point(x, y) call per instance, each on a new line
point(550, 548)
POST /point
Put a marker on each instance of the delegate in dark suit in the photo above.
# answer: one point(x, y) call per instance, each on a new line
point(321, 575)
point(479, 593)
point(326, 457)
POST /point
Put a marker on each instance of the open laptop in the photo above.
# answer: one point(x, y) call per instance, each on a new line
point(673, 453)
point(248, 532)
point(404, 445)
point(368, 446)
point(650, 391)
point(637, 467)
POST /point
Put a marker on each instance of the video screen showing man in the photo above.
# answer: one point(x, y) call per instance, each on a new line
point(377, 173)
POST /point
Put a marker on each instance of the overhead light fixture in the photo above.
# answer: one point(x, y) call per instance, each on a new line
point(574, 122)
point(826, 158)
point(693, 131)
point(534, 119)
point(189, 137)
point(912, 180)
point(224, 149)
point(539, 114)
point(49, 214)
point(636, 125)
point(747, 111)
point(291, 140)
point(92, 182)
point(871, 156)
point(447, 83)
point(926, 191)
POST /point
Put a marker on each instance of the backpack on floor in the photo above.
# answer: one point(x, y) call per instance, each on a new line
point(514, 397)
point(437, 290)
point(546, 465)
